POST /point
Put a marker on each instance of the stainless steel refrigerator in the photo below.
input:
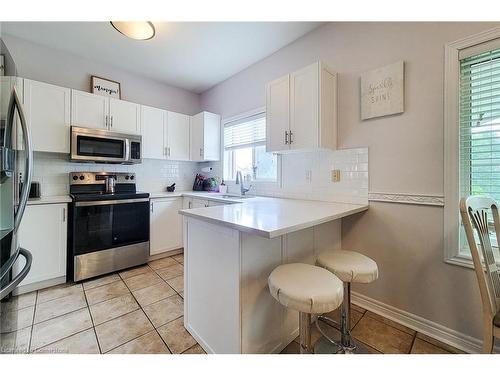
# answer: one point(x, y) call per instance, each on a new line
point(16, 164)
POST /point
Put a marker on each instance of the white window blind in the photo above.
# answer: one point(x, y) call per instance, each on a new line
point(479, 94)
point(250, 131)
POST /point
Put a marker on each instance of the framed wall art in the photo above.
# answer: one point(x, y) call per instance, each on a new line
point(105, 87)
point(382, 91)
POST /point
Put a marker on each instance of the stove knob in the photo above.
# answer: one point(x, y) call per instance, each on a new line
point(131, 177)
point(82, 177)
point(126, 177)
point(75, 178)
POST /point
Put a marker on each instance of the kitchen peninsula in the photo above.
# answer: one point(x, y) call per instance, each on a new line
point(230, 250)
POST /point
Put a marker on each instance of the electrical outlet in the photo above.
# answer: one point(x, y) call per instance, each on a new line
point(335, 175)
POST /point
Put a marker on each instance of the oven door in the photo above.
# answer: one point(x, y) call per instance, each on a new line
point(101, 225)
point(98, 146)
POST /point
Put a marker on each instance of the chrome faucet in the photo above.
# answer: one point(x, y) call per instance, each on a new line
point(239, 181)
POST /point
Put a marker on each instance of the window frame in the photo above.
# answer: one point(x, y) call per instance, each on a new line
point(454, 251)
point(227, 120)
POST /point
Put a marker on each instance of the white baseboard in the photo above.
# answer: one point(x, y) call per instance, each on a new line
point(39, 285)
point(437, 331)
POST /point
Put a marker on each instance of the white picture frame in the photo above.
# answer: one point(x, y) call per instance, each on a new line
point(105, 87)
point(382, 91)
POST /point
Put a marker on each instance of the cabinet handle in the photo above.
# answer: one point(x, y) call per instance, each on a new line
point(168, 151)
point(106, 120)
point(112, 122)
point(291, 140)
point(286, 137)
point(64, 215)
point(190, 204)
point(152, 207)
point(201, 152)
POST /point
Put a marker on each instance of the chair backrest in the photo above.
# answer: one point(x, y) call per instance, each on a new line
point(474, 211)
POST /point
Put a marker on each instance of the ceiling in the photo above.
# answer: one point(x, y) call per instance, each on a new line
point(191, 55)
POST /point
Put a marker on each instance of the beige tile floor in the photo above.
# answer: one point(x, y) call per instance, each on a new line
point(140, 310)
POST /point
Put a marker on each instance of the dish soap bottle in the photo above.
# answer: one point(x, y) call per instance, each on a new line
point(223, 187)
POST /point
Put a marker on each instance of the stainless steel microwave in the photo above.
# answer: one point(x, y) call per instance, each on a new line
point(102, 146)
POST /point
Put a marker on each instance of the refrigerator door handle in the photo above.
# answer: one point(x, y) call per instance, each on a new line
point(5, 291)
point(23, 200)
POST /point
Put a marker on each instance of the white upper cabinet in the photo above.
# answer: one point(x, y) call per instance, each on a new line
point(47, 109)
point(301, 110)
point(278, 114)
point(153, 130)
point(100, 112)
point(177, 136)
point(205, 137)
point(89, 110)
point(304, 105)
point(124, 117)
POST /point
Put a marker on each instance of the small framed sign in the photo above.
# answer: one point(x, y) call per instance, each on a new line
point(105, 87)
point(382, 91)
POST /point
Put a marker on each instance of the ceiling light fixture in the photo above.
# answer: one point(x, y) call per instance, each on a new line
point(135, 30)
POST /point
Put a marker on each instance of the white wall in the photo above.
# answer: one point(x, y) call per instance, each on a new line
point(406, 156)
point(60, 68)
point(44, 64)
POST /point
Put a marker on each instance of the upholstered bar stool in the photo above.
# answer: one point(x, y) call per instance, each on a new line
point(350, 267)
point(307, 289)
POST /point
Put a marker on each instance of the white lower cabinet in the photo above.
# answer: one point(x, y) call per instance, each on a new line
point(166, 225)
point(43, 233)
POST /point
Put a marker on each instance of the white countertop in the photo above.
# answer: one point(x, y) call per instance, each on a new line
point(273, 217)
point(53, 199)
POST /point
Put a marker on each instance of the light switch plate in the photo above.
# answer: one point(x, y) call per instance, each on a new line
point(335, 175)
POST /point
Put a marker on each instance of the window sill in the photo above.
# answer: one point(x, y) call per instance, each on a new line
point(460, 260)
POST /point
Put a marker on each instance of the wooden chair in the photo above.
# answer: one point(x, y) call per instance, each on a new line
point(474, 211)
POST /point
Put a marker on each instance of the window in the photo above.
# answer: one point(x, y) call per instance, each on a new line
point(472, 131)
point(245, 149)
point(479, 119)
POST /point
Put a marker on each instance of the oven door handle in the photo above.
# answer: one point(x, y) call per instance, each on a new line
point(108, 202)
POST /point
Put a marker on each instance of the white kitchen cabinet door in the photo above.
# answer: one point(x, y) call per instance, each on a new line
point(301, 110)
point(304, 108)
point(43, 233)
point(153, 123)
point(89, 110)
point(177, 136)
point(277, 114)
point(205, 137)
point(197, 137)
point(166, 225)
point(47, 109)
point(198, 203)
point(124, 117)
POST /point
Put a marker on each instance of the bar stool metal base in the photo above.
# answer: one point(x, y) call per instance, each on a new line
point(305, 333)
point(342, 339)
point(330, 341)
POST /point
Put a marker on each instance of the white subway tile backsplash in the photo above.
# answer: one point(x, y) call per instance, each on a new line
point(52, 171)
point(352, 187)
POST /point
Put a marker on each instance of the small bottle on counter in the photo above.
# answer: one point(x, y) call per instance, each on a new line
point(223, 187)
